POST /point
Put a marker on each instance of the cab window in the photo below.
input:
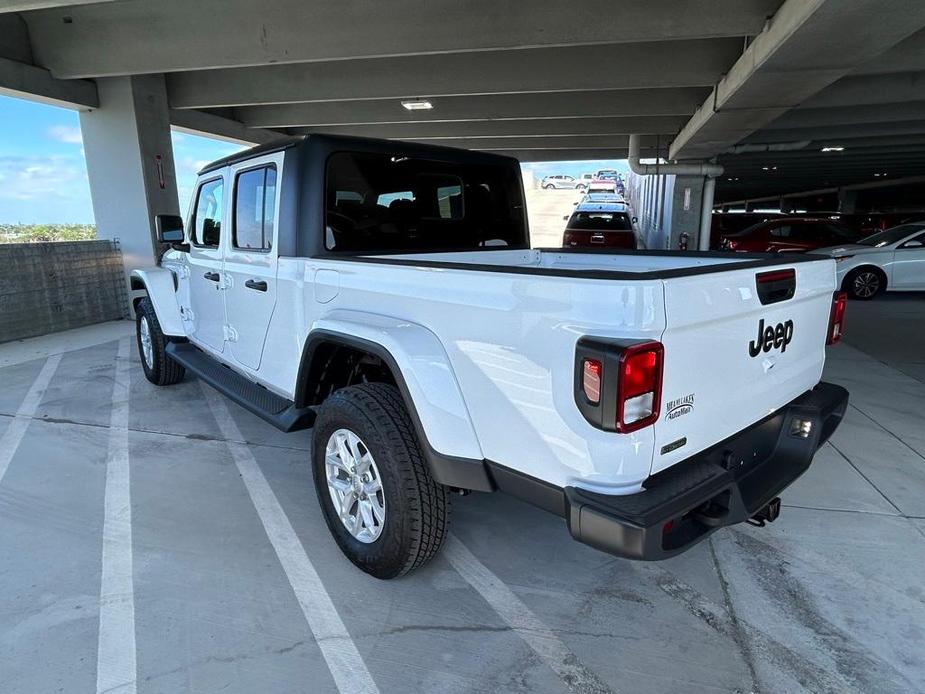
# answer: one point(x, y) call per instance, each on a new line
point(254, 209)
point(207, 219)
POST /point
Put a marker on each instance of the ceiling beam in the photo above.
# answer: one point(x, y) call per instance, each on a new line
point(808, 45)
point(837, 134)
point(693, 63)
point(851, 115)
point(861, 90)
point(176, 35)
point(509, 128)
point(28, 5)
point(34, 83)
point(199, 123)
point(540, 155)
point(551, 142)
point(587, 104)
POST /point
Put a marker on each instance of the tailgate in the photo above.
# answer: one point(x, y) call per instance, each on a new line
point(719, 376)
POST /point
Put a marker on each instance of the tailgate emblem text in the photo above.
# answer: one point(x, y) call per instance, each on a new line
point(778, 336)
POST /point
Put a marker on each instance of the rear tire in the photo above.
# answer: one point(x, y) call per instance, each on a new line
point(549, 186)
point(864, 283)
point(159, 368)
point(414, 508)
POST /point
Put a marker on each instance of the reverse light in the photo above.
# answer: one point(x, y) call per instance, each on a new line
point(591, 380)
point(837, 318)
point(639, 386)
point(801, 428)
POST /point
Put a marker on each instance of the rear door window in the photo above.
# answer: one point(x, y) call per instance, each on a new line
point(254, 209)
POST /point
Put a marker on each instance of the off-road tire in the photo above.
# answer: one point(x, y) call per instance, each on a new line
point(416, 507)
point(163, 370)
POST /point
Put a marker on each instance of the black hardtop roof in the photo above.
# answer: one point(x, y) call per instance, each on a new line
point(333, 143)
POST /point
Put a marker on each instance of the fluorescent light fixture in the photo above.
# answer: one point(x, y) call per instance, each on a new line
point(833, 149)
point(417, 105)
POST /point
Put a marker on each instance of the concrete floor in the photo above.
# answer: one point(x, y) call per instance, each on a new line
point(827, 599)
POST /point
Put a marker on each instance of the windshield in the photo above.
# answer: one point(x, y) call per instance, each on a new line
point(885, 238)
point(601, 221)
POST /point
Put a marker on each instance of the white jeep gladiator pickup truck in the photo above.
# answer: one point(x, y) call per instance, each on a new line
point(386, 294)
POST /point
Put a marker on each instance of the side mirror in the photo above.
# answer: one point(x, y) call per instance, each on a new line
point(565, 217)
point(635, 220)
point(913, 244)
point(169, 228)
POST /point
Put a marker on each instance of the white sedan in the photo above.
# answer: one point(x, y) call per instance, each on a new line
point(891, 260)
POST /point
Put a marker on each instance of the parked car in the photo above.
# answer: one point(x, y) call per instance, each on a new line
point(891, 260)
point(563, 182)
point(601, 197)
point(606, 224)
point(603, 185)
point(789, 235)
point(386, 295)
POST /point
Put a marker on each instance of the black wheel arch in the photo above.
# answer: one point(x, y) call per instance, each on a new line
point(452, 471)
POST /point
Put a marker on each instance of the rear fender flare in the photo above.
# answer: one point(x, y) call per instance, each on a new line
point(425, 377)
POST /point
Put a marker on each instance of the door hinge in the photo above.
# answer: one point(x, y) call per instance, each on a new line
point(231, 335)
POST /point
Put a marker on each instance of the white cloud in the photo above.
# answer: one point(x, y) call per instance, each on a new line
point(66, 133)
point(42, 178)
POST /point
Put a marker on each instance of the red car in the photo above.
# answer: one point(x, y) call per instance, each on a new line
point(789, 235)
point(599, 224)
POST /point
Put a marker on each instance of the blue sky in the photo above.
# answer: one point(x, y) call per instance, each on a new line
point(43, 173)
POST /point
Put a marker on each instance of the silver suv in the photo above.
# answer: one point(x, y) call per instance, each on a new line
point(563, 182)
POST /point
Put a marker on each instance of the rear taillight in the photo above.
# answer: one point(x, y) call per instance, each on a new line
point(591, 380)
point(618, 384)
point(837, 318)
point(639, 386)
point(731, 245)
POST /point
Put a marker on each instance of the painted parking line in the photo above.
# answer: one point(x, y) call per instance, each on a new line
point(116, 670)
point(340, 652)
point(12, 437)
point(522, 620)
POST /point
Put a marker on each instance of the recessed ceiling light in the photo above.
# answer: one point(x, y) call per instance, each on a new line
point(833, 149)
point(417, 105)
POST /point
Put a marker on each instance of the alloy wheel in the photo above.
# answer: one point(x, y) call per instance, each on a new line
point(355, 485)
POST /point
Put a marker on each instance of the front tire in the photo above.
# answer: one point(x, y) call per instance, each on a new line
point(159, 368)
point(864, 283)
point(385, 511)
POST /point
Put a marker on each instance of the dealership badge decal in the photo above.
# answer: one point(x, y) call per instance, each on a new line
point(679, 407)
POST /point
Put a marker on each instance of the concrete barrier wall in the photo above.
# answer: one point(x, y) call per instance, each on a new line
point(47, 287)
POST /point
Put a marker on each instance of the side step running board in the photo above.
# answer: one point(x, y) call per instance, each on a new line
point(277, 410)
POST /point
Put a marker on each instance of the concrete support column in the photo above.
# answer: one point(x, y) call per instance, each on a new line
point(786, 205)
point(750, 206)
point(130, 163)
point(706, 213)
point(847, 201)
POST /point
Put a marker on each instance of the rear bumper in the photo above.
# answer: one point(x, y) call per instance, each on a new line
point(725, 484)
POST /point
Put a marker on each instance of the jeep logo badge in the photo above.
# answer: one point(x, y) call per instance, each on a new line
point(778, 337)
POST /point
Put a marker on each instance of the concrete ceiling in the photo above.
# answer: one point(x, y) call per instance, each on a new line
point(543, 80)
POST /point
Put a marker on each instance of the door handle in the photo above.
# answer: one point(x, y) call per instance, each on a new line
point(259, 285)
point(212, 276)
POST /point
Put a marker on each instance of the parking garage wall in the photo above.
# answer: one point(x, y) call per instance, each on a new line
point(48, 287)
point(666, 207)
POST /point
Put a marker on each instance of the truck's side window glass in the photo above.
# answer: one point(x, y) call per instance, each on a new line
point(207, 220)
point(254, 209)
